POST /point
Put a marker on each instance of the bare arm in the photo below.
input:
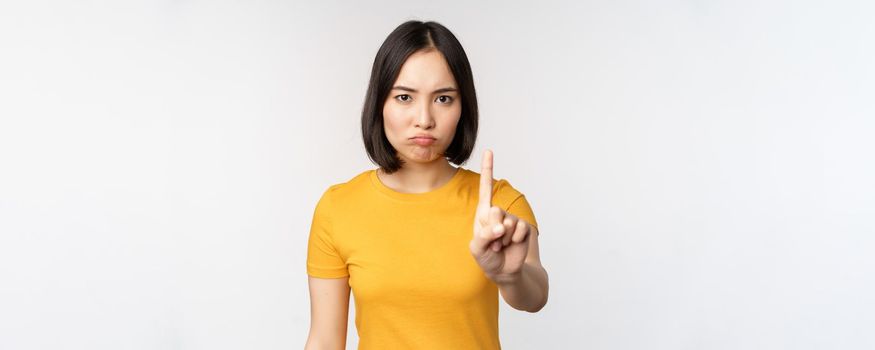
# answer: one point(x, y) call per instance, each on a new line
point(329, 309)
point(506, 248)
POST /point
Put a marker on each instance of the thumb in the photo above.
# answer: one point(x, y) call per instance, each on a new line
point(491, 230)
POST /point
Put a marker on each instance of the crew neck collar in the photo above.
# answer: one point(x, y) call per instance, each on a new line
point(416, 197)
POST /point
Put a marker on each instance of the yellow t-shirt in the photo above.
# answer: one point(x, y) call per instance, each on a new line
point(414, 281)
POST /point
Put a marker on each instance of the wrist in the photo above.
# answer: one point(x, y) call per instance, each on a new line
point(508, 279)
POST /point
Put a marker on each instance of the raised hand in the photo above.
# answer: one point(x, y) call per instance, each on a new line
point(500, 240)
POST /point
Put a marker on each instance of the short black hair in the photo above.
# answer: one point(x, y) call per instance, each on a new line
point(407, 38)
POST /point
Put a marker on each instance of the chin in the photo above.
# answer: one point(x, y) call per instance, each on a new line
point(413, 157)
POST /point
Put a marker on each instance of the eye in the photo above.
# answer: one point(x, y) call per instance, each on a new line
point(445, 99)
point(403, 98)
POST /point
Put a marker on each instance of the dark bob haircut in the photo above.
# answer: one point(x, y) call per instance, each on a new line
point(410, 37)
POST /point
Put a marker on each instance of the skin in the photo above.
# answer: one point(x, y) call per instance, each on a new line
point(424, 99)
point(506, 248)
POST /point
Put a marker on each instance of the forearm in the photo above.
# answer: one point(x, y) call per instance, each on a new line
point(527, 292)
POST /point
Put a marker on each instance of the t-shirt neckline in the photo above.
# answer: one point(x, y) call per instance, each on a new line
point(416, 197)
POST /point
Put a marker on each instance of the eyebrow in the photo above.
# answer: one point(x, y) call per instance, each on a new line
point(446, 89)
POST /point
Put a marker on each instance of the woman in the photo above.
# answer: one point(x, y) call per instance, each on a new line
point(424, 246)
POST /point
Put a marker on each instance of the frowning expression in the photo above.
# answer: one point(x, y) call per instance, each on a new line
point(423, 108)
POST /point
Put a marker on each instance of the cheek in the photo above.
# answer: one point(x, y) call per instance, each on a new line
point(391, 120)
point(451, 119)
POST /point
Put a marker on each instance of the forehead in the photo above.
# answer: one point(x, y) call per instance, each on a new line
point(426, 68)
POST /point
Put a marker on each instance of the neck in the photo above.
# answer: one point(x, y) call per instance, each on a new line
point(416, 177)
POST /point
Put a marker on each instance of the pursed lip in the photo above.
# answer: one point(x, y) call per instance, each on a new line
point(423, 136)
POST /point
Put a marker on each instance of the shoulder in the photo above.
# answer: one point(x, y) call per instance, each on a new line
point(503, 193)
point(351, 187)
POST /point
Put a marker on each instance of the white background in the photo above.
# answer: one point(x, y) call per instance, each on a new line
point(702, 171)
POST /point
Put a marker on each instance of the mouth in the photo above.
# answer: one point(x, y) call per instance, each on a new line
point(423, 140)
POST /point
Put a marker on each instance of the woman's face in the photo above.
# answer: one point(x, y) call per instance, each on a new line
point(423, 101)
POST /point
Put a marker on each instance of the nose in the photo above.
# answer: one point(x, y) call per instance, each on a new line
point(425, 119)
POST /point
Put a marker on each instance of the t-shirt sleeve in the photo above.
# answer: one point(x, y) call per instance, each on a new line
point(512, 201)
point(323, 259)
point(520, 208)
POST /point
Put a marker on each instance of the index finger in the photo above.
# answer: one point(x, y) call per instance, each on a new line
point(486, 181)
